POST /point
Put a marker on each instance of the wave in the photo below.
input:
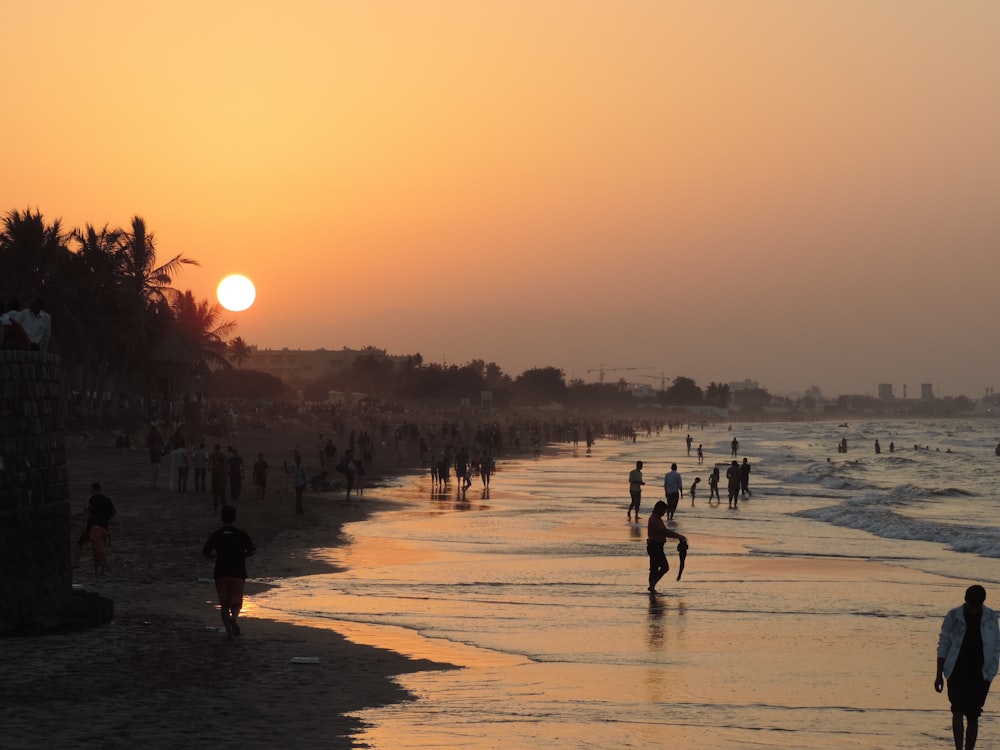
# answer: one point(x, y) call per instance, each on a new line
point(878, 518)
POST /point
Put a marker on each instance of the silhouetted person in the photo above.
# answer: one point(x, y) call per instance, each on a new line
point(657, 534)
point(968, 655)
point(231, 547)
point(635, 484)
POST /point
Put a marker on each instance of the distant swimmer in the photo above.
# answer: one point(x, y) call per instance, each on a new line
point(998, 449)
point(635, 490)
point(892, 447)
point(657, 534)
point(878, 448)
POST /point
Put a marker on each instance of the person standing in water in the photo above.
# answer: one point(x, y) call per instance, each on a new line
point(713, 486)
point(657, 534)
point(673, 488)
point(968, 655)
point(734, 476)
point(635, 490)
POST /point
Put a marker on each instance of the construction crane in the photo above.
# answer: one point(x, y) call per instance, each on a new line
point(662, 377)
point(602, 369)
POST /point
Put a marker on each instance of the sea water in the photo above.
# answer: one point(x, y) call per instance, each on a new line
point(805, 618)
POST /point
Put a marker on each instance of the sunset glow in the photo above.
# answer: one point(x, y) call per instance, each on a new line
point(798, 193)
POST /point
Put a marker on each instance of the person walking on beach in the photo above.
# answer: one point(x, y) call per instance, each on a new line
point(635, 490)
point(486, 469)
point(694, 486)
point(235, 475)
point(154, 444)
point(735, 445)
point(100, 511)
point(673, 488)
point(199, 460)
point(745, 479)
point(734, 477)
point(689, 440)
point(260, 476)
point(231, 547)
point(968, 655)
point(701, 454)
point(219, 470)
point(300, 478)
point(713, 486)
point(657, 534)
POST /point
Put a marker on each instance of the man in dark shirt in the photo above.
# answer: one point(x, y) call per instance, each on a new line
point(231, 547)
point(99, 509)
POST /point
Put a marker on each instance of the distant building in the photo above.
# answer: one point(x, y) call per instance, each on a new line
point(885, 392)
point(926, 392)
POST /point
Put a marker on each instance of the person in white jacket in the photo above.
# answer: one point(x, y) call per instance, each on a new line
point(968, 655)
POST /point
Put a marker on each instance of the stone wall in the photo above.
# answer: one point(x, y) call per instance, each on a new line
point(35, 560)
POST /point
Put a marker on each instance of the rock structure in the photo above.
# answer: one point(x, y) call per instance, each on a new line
point(36, 574)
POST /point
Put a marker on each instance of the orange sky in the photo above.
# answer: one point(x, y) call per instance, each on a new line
point(798, 193)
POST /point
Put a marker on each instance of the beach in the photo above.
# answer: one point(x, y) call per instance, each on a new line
point(162, 674)
point(806, 618)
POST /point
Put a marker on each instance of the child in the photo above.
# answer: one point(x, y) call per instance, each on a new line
point(694, 486)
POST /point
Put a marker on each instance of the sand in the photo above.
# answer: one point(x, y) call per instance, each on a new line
point(162, 673)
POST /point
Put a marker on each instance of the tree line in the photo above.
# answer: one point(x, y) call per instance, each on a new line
point(112, 300)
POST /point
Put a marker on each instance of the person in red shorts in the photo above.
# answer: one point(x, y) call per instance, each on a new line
point(231, 547)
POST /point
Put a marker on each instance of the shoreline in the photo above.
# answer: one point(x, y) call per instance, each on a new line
point(161, 674)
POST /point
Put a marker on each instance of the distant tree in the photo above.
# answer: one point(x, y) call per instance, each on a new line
point(751, 399)
point(717, 394)
point(581, 395)
point(230, 383)
point(683, 392)
point(541, 385)
point(239, 350)
point(201, 329)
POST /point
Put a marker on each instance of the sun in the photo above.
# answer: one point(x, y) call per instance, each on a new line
point(236, 293)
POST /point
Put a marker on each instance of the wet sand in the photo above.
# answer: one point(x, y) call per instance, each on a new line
point(162, 674)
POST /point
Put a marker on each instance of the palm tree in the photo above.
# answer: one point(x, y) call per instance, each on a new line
point(239, 350)
point(31, 252)
point(146, 281)
point(100, 332)
point(201, 329)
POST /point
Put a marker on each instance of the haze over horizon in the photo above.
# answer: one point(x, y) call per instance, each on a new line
point(796, 193)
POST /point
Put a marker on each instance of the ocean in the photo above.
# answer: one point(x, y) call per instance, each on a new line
point(806, 618)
